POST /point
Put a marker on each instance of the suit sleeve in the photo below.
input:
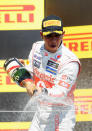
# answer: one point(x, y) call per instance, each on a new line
point(66, 78)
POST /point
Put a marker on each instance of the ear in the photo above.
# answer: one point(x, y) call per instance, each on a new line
point(41, 34)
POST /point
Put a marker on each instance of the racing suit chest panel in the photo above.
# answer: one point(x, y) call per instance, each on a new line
point(44, 70)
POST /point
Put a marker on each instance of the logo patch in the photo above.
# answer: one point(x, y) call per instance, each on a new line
point(64, 84)
point(36, 56)
point(45, 54)
point(36, 63)
point(57, 56)
point(51, 70)
point(52, 64)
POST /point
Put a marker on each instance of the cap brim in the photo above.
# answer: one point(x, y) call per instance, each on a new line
point(50, 32)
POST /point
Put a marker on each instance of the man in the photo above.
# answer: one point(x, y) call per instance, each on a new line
point(55, 69)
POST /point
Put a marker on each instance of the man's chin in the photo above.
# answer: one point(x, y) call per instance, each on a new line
point(53, 49)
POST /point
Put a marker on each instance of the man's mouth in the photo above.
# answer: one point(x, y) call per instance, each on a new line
point(53, 45)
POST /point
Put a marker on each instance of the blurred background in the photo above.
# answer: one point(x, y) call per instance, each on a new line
point(20, 24)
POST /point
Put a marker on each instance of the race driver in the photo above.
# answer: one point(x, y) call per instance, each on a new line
point(55, 69)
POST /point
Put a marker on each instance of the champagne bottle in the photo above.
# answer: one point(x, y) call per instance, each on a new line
point(16, 70)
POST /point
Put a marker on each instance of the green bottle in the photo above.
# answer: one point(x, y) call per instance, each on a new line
point(16, 70)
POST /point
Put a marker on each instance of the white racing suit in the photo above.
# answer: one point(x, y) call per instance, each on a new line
point(57, 72)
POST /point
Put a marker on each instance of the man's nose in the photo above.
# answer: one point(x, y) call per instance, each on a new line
point(53, 38)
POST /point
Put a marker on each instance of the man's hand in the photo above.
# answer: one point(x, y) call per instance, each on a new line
point(30, 86)
point(22, 61)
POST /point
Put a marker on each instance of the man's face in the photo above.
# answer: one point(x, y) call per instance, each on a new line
point(52, 41)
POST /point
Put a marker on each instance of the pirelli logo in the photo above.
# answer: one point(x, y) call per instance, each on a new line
point(17, 7)
point(24, 16)
point(18, 16)
point(79, 40)
point(52, 23)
